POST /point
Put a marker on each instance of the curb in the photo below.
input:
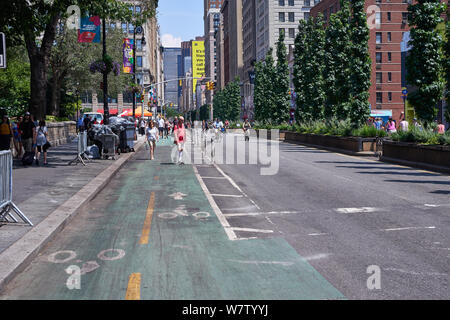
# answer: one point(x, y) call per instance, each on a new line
point(419, 165)
point(335, 150)
point(17, 257)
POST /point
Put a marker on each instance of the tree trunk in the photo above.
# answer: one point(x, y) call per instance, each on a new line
point(38, 86)
point(53, 108)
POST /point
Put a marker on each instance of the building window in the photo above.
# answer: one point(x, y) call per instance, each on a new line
point(377, 19)
point(306, 15)
point(379, 97)
point(389, 37)
point(281, 30)
point(389, 96)
point(378, 57)
point(307, 3)
point(379, 78)
point(316, 2)
point(291, 3)
point(291, 17)
point(389, 56)
point(139, 61)
point(379, 38)
point(138, 9)
point(404, 17)
point(389, 76)
point(281, 3)
point(388, 16)
point(281, 17)
point(124, 27)
point(138, 44)
point(130, 28)
point(291, 33)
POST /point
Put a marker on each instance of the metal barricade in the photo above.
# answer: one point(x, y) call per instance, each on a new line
point(109, 146)
point(81, 149)
point(8, 210)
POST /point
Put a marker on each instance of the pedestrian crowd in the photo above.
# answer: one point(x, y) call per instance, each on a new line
point(391, 126)
point(26, 137)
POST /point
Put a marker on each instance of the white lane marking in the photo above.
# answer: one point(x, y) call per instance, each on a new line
point(201, 215)
point(317, 256)
point(283, 263)
point(235, 185)
point(431, 205)
point(227, 195)
point(251, 230)
point(258, 213)
point(317, 234)
point(178, 195)
point(89, 267)
point(408, 228)
point(416, 273)
point(223, 221)
point(219, 178)
point(357, 210)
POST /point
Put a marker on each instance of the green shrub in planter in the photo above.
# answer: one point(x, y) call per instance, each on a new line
point(368, 132)
point(444, 138)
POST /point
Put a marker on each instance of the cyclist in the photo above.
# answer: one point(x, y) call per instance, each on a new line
point(246, 127)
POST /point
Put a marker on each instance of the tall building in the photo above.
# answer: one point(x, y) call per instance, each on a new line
point(385, 47)
point(171, 75)
point(211, 22)
point(272, 16)
point(249, 55)
point(233, 44)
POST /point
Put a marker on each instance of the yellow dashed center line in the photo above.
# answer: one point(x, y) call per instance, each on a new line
point(134, 287)
point(148, 220)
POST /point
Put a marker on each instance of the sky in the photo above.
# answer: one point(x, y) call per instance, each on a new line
point(180, 20)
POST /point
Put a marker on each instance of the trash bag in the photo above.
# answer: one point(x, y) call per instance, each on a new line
point(93, 152)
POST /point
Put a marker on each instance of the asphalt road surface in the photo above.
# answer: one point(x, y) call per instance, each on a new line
point(320, 225)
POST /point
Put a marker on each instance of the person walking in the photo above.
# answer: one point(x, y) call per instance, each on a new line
point(246, 127)
point(142, 126)
point(161, 124)
point(16, 137)
point(440, 129)
point(390, 126)
point(5, 134)
point(404, 125)
point(152, 137)
point(180, 137)
point(28, 130)
point(42, 143)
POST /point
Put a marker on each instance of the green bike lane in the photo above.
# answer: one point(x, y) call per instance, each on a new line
point(152, 234)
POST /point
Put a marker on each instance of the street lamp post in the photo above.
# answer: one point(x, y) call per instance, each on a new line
point(136, 30)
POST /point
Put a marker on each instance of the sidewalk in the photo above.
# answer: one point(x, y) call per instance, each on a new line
point(57, 190)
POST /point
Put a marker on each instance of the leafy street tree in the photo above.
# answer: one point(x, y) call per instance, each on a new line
point(447, 61)
point(264, 97)
point(281, 86)
point(227, 102)
point(299, 70)
point(15, 82)
point(35, 23)
point(337, 71)
point(360, 65)
point(308, 69)
point(424, 63)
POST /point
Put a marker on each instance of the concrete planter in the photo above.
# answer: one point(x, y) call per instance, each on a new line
point(351, 144)
point(281, 137)
point(421, 155)
point(61, 132)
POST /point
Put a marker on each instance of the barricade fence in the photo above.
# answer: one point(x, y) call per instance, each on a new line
point(81, 149)
point(9, 212)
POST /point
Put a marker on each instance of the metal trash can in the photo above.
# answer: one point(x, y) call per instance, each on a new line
point(130, 132)
point(109, 146)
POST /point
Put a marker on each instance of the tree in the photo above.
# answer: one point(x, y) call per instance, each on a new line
point(308, 69)
point(336, 73)
point(15, 82)
point(447, 62)
point(264, 97)
point(315, 43)
point(34, 23)
point(424, 62)
point(360, 65)
point(281, 86)
point(299, 70)
point(233, 100)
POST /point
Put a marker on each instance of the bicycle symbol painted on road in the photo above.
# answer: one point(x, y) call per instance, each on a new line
point(181, 211)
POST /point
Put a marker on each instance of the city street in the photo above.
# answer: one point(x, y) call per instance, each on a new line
point(224, 231)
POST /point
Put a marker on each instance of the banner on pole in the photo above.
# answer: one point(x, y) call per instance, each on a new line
point(128, 47)
point(89, 29)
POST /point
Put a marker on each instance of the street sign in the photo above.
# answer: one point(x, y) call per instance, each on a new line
point(404, 91)
point(2, 51)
